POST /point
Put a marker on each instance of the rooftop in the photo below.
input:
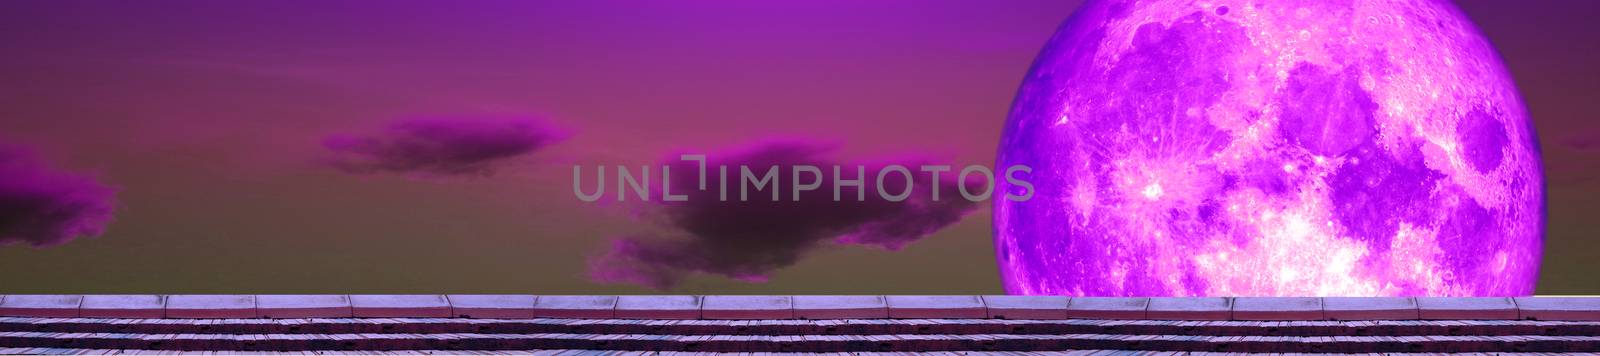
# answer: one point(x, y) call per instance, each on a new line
point(71, 324)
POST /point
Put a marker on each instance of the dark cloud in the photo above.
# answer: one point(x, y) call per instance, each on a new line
point(440, 146)
point(749, 240)
point(41, 206)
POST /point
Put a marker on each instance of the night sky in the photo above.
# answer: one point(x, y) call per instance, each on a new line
point(282, 147)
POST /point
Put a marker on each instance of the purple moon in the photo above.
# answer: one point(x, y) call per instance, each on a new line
point(1270, 148)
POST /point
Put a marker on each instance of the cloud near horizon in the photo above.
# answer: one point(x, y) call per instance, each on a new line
point(750, 240)
point(44, 207)
point(440, 146)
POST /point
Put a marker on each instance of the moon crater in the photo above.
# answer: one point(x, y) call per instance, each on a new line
point(1270, 147)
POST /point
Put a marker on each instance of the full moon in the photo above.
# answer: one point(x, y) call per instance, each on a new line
point(1268, 148)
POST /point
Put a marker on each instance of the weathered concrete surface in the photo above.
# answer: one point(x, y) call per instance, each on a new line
point(211, 306)
point(1440, 308)
point(493, 306)
point(658, 307)
point(400, 306)
point(1383, 308)
point(747, 307)
point(576, 306)
point(1189, 309)
point(840, 307)
point(936, 307)
point(797, 307)
point(1568, 308)
point(1019, 307)
point(41, 305)
point(1108, 308)
point(1277, 308)
point(303, 306)
point(123, 306)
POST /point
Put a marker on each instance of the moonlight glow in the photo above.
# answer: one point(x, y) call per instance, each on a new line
point(1271, 148)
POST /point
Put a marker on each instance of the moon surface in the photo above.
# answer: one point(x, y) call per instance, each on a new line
point(1267, 148)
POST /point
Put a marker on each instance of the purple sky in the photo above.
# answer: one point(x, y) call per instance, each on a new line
point(211, 118)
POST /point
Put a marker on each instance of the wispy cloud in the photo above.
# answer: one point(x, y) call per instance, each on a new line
point(440, 146)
